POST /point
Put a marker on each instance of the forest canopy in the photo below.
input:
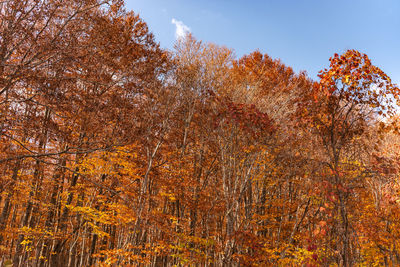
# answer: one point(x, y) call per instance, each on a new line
point(115, 152)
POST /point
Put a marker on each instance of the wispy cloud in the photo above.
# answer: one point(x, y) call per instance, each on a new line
point(181, 29)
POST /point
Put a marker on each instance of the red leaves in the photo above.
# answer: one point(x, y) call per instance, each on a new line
point(384, 166)
point(351, 81)
point(248, 117)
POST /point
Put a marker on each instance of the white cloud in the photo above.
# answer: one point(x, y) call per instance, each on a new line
point(181, 29)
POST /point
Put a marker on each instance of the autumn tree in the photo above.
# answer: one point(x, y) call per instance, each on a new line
point(351, 96)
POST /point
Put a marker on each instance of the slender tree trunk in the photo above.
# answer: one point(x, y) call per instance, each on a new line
point(57, 179)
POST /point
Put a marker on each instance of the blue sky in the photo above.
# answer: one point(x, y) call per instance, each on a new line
point(302, 33)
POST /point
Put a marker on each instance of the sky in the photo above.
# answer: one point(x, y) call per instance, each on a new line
point(302, 33)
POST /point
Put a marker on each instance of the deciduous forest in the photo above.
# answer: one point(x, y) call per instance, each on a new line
point(115, 152)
